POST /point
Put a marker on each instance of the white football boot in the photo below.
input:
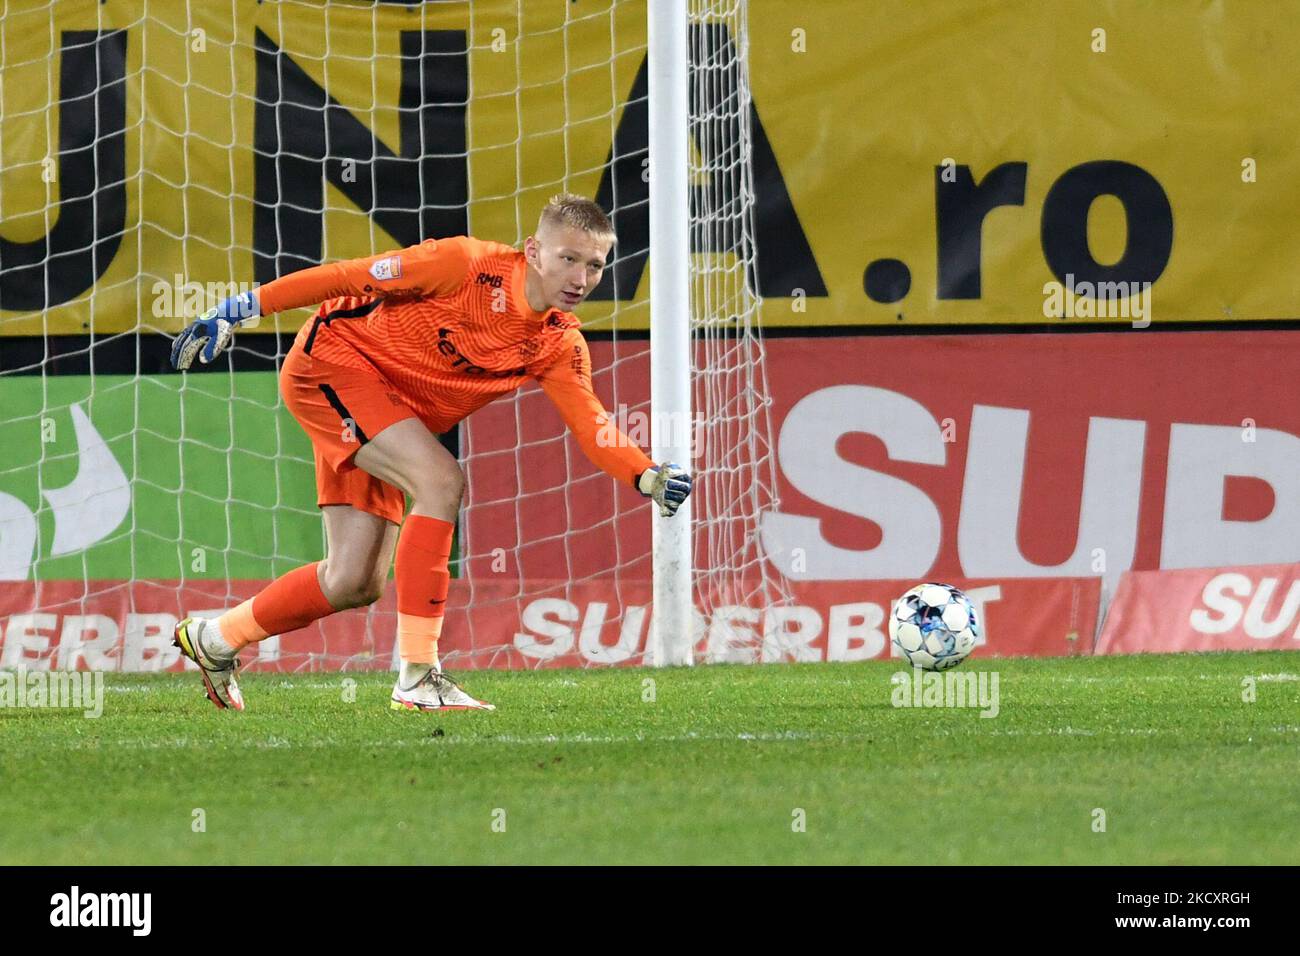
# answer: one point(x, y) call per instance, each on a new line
point(434, 691)
point(218, 673)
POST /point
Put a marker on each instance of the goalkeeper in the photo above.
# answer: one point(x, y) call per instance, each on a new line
point(405, 345)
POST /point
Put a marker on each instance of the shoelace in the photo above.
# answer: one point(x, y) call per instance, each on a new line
point(442, 683)
point(434, 678)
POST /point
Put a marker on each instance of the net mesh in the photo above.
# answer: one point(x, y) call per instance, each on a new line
point(156, 159)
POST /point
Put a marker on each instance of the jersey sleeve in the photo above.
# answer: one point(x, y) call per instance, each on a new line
point(434, 267)
point(567, 383)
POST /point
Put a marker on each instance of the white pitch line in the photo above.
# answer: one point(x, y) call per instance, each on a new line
point(532, 740)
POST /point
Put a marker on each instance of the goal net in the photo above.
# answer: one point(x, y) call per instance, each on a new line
point(156, 159)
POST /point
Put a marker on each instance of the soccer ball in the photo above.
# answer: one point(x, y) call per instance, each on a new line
point(934, 626)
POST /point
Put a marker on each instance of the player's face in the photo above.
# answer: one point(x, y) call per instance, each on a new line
point(568, 263)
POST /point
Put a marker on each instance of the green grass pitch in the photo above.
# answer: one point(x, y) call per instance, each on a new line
point(580, 767)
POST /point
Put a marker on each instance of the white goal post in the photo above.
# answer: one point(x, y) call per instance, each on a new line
point(671, 623)
point(707, 356)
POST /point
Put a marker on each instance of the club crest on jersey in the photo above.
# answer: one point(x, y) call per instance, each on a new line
point(389, 268)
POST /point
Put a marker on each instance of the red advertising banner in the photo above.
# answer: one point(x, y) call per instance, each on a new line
point(1054, 455)
point(899, 459)
point(914, 457)
point(125, 626)
point(1205, 609)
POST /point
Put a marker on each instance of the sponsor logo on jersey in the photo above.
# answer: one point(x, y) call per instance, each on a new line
point(459, 362)
point(389, 268)
point(485, 278)
point(528, 350)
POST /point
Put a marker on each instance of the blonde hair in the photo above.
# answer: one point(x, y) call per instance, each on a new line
point(566, 209)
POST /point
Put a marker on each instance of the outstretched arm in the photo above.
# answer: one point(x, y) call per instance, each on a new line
point(434, 267)
point(567, 382)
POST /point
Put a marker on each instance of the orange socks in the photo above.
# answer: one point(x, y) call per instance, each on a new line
point(295, 599)
point(423, 552)
point(289, 602)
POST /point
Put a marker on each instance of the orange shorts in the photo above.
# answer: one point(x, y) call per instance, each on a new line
point(341, 409)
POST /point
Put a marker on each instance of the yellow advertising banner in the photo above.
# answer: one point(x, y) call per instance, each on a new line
point(916, 162)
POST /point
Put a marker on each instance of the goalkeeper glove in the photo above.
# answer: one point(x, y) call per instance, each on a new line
point(210, 334)
point(667, 484)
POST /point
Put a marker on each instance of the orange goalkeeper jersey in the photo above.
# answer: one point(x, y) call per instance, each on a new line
point(447, 325)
